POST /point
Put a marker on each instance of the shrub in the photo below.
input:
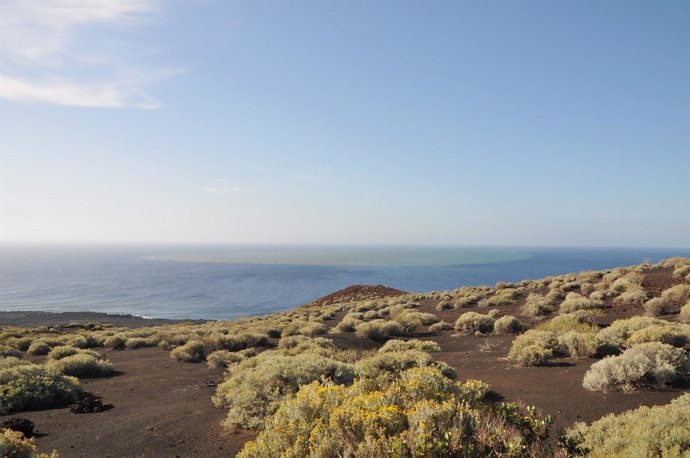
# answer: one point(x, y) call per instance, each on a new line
point(508, 324)
point(394, 362)
point(474, 323)
point(649, 364)
point(223, 358)
point(9, 351)
point(191, 352)
point(38, 347)
point(403, 345)
point(568, 322)
point(676, 296)
point(378, 329)
point(444, 305)
point(633, 298)
point(656, 307)
point(674, 334)
point(257, 386)
point(82, 365)
point(11, 361)
point(681, 271)
point(420, 413)
point(467, 301)
point(440, 326)
point(685, 312)
point(13, 444)
point(646, 431)
point(620, 330)
point(534, 348)
point(30, 386)
point(348, 323)
point(575, 301)
point(62, 351)
point(134, 343)
point(87, 341)
point(579, 344)
point(313, 329)
point(22, 344)
point(116, 342)
point(536, 305)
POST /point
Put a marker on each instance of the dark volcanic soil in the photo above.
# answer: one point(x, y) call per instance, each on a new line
point(161, 408)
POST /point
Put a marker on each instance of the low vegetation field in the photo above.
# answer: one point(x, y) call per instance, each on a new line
point(582, 364)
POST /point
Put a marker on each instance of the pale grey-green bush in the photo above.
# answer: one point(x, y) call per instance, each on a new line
point(508, 324)
point(223, 358)
point(82, 365)
point(257, 386)
point(414, 344)
point(575, 301)
point(474, 323)
point(38, 347)
point(378, 329)
point(440, 326)
point(191, 352)
point(31, 386)
point(661, 431)
point(644, 365)
point(534, 348)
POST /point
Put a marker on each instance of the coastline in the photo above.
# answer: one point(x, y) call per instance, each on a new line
point(39, 318)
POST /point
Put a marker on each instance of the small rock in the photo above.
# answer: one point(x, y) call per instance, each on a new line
point(22, 425)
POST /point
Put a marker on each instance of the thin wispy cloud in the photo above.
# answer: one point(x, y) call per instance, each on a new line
point(48, 53)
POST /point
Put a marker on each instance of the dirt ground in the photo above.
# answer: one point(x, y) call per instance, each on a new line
point(160, 408)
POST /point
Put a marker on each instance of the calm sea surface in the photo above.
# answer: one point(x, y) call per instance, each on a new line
point(215, 282)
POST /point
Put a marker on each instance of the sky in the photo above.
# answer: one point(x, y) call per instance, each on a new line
point(345, 121)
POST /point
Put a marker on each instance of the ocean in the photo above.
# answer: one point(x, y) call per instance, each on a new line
point(221, 282)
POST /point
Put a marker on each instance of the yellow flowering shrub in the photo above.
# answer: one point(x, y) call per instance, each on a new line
point(13, 444)
point(418, 414)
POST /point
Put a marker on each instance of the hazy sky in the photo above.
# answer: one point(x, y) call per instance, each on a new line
point(346, 121)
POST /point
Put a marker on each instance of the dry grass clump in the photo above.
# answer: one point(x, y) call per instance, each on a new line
point(474, 323)
point(420, 413)
point(647, 431)
point(575, 301)
point(508, 324)
point(32, 386)
point(651, 364)
point(191, 352)
point(82, 365)
point(13, 444)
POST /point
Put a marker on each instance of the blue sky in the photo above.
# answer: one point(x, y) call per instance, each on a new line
point(490, 123)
